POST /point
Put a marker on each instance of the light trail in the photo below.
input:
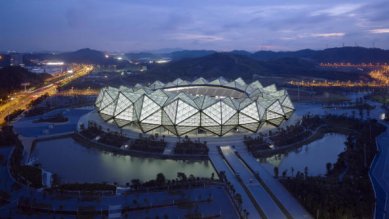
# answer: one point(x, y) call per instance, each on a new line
point(21, 100)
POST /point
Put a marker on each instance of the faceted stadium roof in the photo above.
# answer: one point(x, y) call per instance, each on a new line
point(180, 107)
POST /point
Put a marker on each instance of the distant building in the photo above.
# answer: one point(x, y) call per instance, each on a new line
point(16, 59)
point(143, 68)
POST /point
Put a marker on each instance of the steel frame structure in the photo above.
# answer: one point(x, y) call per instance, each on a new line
point(154, 106)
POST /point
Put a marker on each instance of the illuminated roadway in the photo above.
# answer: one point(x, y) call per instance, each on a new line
point(21, 99)
point(379, 76)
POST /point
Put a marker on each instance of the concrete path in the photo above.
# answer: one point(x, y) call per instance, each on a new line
point(221, 165)
point(263, 199)
point(288, 201)
point(169, 149)
point(379, 175)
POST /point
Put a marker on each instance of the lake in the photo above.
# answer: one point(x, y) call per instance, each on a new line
point(76, 163)
point(315, 156)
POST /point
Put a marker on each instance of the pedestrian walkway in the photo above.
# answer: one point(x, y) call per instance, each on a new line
point(277, 189)
point(379, 174)
point(221, 165)
point(262, 198)
point(114, 211)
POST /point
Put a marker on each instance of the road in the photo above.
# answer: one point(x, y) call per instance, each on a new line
point(221, 165)
point(291, 204)
point(22, 99)
point(261, 197)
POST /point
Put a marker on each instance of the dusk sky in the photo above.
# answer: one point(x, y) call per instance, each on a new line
point(130, 25)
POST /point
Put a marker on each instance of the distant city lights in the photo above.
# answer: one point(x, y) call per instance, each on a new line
point(380, 77)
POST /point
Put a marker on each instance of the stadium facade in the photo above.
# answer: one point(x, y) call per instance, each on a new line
point(206, 107)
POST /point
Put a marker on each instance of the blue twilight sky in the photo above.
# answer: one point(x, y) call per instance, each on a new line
point(133, 25)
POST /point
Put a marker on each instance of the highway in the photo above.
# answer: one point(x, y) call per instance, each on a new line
point(22, 99)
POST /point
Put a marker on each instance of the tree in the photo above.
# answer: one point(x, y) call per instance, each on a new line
point(360, 112)
point(328, 167)
point(222, 175)
point(160, 179)
point(284, 173)
point(239, 200)
point(276, 172)
point(349, 142)
point(181, 176)
point(135, 183)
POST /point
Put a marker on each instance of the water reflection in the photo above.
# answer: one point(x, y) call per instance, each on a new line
point(75, 163)
point(315, 156)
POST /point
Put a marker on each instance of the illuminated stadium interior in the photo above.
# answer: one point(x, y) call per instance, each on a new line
point(208, 90)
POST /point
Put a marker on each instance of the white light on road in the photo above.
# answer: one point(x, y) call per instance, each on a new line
point(55, 63)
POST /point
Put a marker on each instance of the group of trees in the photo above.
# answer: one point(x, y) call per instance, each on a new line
point(58, 118)
point(7, 137)
point(188, 146)
point(289, 135)
point(90, 187)
point(13, 76)
point(256, 144)
point(29, 175)
point(311, 122)
point(35, 108)
point(161, 183)
point(345, 191)
point(151, 143)
point(259, 146)
point(112, 139)
point(236, 197)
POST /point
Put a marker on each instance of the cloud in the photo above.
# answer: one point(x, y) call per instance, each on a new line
point(379, 30)
point(312, 35)
point(337, 10)
point(220, 24)
point(325, 35)
point(197, 37)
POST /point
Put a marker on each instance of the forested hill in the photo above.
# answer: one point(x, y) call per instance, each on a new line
point(232, 66)
point(12, 77)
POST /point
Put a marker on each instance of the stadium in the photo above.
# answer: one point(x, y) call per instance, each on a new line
point(199, 107)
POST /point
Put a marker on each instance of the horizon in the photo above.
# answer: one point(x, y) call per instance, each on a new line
point(172, 50)
point(135, 26)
